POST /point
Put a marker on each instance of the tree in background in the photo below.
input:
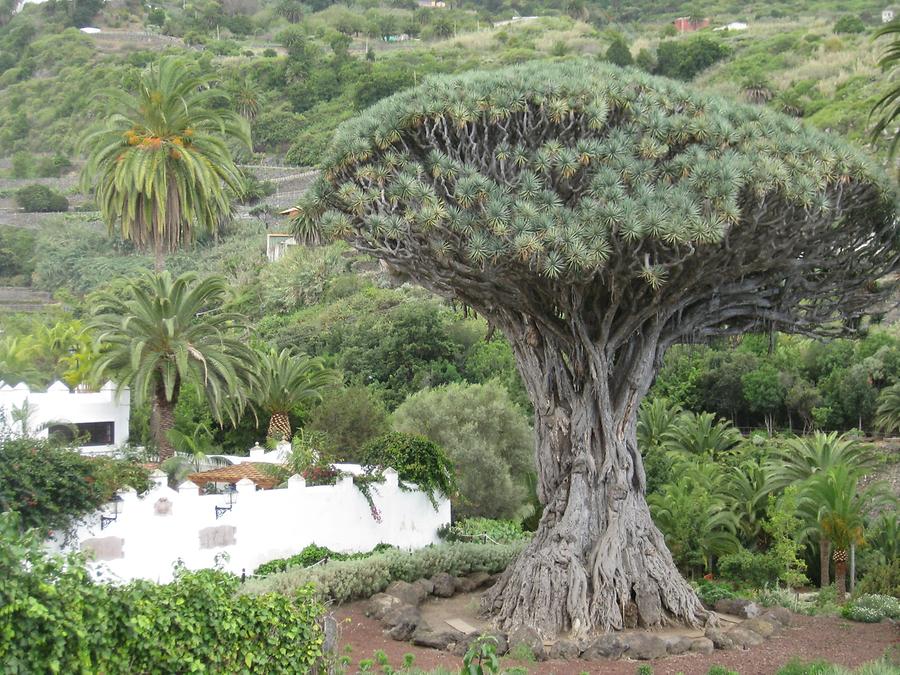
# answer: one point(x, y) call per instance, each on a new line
point(596, 217)
point(487, 438)
point(164, 333)
point(351, 416)
point(887, 109)
point(160, 163)
point(618, 52)
point(285, 381)
point(888, 411)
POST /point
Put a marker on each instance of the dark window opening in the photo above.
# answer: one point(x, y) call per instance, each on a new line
point(87, 433)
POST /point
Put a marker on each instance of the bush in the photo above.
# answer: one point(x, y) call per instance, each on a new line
point(872, 608)
point(342, 581)
point(41, 199)
point(416, 459)
point(683, 59)
point(849, 24)
point(710, 592)
point(312, 555)
point(57, 619)
point(485, 530)
point(882, 580)
point(746, 567)
point(49, 487)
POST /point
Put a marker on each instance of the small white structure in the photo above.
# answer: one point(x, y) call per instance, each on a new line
point(734, 25)
point(142, 537)
point(89, 30)
point(515, 19)
point(277, 245)
point(102, 415)
point(888, 14)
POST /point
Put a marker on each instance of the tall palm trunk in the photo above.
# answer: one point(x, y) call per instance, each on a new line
point(162, 421)
point(840, 573)
point(824, 561)
point(279, 427)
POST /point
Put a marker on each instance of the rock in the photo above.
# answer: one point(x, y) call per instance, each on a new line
point(461, 647)
point(778, 615)
point(408, 593)
point(480, 579)
point(444, 585)
point(719, 639)
point(630, 615)
point(530, 639)
point(564, 650)
point(380, 604)
point(425, 637)
point(741, 637)
point(607, 646)
point(746, 609)
point(759, 626)
point(677, 644)
point(702, 645)
point(426, 585)
point(402, 621)
point(643, 646)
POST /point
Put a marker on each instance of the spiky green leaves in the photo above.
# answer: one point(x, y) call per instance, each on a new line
point(564, 169)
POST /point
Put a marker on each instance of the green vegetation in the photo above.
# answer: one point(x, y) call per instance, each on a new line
point(313, 555)
point(872, 608)
point(41, 199)
point(484, 530)
point(57, 619)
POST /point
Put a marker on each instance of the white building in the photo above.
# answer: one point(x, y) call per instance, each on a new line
point(99, 418)
point(734, 25)
point(887, 14)
point(277, 244)
point(142, 537)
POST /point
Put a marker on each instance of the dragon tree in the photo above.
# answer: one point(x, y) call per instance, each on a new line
point(597, 216)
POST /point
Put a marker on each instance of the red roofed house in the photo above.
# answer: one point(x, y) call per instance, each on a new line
point(684, 24)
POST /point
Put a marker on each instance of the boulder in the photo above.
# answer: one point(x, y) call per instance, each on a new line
point(719, 639)
point(426, 585)
point(779, 616)
point(444, 585)
point(480, 579)
point(380, 604)
point(759, 626)
point(745, 609)
point(644, 646)
point(702, 645)
point(425, 637)
point(402, 621)
point(410, 594)
point(677, 644)
point(564, 650)
point(608, 646)
point(741, 637)
point(462, 646)
point(530, 639)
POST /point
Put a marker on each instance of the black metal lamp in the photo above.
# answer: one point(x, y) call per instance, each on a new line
point(230, 492)
point(106, 520)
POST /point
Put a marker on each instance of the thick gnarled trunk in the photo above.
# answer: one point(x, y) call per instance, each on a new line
point(279, 427)
point(597, 561)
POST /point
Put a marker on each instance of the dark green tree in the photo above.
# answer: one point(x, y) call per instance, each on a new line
point(619, 53)
point(596, 217)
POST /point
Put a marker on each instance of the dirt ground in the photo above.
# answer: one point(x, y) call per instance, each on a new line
point(811, 638)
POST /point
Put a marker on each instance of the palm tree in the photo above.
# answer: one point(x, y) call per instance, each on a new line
point(887, 416)
point(757, 90)
point(806, 456)
point(749, 487)
point(887, 109)
point(192, 453)
point(839, 507)
point(161, 162)
point(166, 332)
point(284, 382)
point(655, 417)
point(245, 96)
point(702, 435)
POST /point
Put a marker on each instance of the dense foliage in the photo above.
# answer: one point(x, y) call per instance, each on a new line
point(57, 619)
point(50, 487)
point(416, 459)
point(313, 555)
point(484, 530)
point(40, 199)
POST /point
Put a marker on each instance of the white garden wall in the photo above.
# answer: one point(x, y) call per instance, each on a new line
point(152, 532)
point(61, 405)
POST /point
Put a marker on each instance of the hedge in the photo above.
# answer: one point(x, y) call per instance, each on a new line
point(341, 581)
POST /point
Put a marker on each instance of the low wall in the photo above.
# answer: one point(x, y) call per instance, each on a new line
point(152, 532)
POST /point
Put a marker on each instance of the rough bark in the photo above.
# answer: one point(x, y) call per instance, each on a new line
point(840, 576)
point(596, 551)
point(279, 427)
point(162, 421)
point(824, 562)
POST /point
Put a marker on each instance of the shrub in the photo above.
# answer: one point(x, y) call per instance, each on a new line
point(57, 619)
point(619, 53)
point(872, 608)
point(849, 24)
point(485, 530)
point(882, 580)
point(746, 567)
point(341, 581)
point(683, 59)
point(41, 199)
point(710, 592)
point(50, 486)
point(416, 460)
point(312, 555)
point(269, 53)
